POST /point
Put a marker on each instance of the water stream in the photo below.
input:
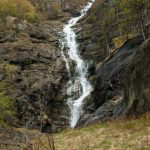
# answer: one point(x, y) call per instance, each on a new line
point(78, 85)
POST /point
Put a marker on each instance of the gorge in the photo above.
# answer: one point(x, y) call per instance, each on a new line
point(66, 64)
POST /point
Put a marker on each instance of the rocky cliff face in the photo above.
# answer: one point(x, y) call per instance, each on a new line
point(117, 78)
point(56, 9)
point(39, 80)
point(110, 83)
point(73, 6)
point(32, 66)
point(137, 82)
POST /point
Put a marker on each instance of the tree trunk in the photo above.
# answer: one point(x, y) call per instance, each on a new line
point(108, 47)
point(142, 25)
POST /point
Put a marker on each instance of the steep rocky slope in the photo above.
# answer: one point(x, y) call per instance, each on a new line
point(137, 81)
point(114, 92)
point(115, 89)
point(57, 9)
point(38, 74)
point(32, 70)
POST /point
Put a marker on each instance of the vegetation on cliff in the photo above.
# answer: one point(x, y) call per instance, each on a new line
point(22, 9)
point(135, 12)
point(119, 20)
point(6, 102)
point(110, 38)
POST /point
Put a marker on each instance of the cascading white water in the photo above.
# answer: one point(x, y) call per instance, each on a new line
point(77, 83)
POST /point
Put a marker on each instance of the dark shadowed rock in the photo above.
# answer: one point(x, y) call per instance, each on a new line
point(137, 82)
point(108, 93)
point(111, 74)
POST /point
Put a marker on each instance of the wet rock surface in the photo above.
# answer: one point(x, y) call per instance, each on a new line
point(108, 93)
point(110, 71)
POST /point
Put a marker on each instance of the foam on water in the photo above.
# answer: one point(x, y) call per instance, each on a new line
point(78, 82)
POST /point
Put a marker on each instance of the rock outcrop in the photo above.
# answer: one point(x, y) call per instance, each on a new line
point(114, 72)
point(40, 77)
point(108, 93)
point(32, 66)
point(137, 82)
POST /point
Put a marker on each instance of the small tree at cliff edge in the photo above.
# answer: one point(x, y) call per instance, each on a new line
point(136, 8)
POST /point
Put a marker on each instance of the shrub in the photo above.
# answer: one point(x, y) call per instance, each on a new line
point(54, 9)
point(5, 108)
point(6, 103)
point(22, 9)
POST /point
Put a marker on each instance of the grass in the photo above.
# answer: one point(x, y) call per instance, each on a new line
point(133, 134)
point(130, 134)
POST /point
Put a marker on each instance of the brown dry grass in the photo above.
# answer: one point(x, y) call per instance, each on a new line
point(131, 134)
point(120, 135)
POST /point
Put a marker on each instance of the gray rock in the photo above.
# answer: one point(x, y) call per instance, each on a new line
point(40, 77)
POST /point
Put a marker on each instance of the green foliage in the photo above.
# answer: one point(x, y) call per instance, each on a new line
point(134, 10)
point(22, 9)
point(92, 18)
point(125, 17)
point(9, 69)
point(120, 40)
point(133, 6)
point(6, 103)
point(48, 8)
point(108, 19)
point(5, 108)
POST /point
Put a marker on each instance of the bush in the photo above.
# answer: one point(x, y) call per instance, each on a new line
point(6, 103)
point(22, 9)
point(5, 108)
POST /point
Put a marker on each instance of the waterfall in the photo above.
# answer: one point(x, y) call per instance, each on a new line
point(78, 85)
